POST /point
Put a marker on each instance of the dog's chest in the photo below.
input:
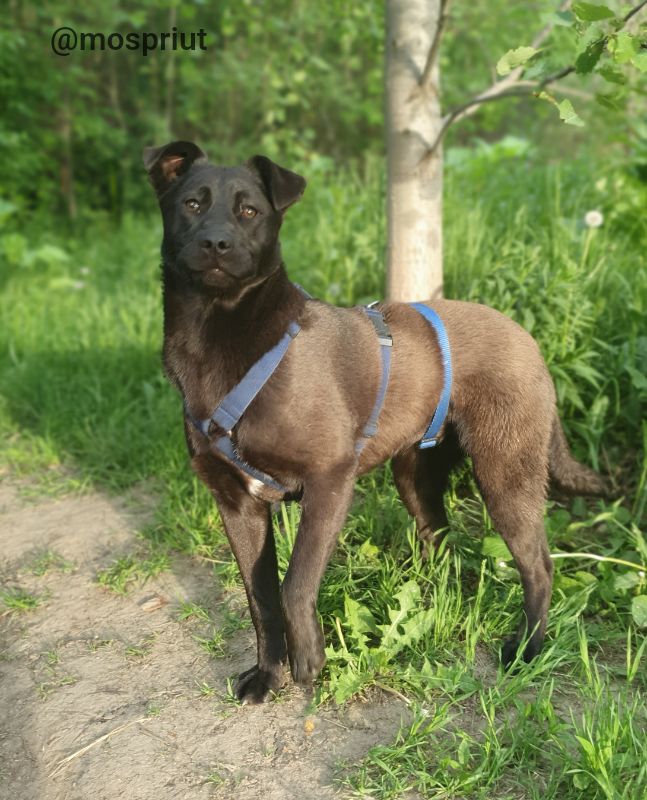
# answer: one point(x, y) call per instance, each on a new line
point(200, 377)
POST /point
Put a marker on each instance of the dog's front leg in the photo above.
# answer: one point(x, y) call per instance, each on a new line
point(246, 520)
point(325, 504)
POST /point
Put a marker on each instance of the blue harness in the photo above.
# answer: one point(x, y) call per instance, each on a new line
point(230, 410)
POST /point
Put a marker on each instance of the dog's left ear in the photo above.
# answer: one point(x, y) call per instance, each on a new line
point(282, 186)
point(166, 163)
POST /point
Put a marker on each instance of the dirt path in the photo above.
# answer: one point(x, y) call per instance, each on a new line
point(88, 663)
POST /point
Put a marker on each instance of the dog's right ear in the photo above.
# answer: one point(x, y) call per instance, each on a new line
point(166, 163)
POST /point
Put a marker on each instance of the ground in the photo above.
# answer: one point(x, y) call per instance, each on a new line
point(108, 695)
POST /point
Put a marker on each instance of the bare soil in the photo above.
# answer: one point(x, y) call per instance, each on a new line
point(99, 693)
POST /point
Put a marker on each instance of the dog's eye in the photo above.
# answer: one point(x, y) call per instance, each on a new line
point(248, 212)
point(193, 205)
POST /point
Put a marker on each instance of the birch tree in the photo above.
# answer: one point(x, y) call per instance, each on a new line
point(604, 43)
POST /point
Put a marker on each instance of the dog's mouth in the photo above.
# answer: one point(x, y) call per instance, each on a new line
point(218, 273)
point(207, 267)
point(216, 267)
point(204, 265)
point(217, 277)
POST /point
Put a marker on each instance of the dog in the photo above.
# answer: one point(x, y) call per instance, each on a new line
point(228, 301)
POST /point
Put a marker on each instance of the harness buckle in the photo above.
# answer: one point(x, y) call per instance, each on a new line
point(381, 328)
point(370, 429)
point(212, 429)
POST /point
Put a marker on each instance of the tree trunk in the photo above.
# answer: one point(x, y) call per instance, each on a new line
point(67, 159)
point(415, 178)
point(170, 76)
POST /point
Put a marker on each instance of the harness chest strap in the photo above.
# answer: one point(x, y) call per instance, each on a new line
point(430, 438)
point(229, 412)
point(386, 343)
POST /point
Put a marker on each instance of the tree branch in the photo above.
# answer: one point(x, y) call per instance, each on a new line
point(634, 11)
point(433, 49)
point(511, 85)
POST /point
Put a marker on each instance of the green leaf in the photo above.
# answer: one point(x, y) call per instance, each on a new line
point(609, 101)
point(590, 12)
point(588, 747)
point(612, 75)
point(408, 598)
point(585, 578)
point(640, 62)
point(638, 380)
point(359, 621)
point(589, 57)
point(495, 547)
point(408, 623)
point(513, 59)
point(639, 610)
point(464, 753)
point(568, 114)
point(626, 581)
point(567, 584)
point(581, 780)
point(368, 550)
point(347, 684)
point(624, 47)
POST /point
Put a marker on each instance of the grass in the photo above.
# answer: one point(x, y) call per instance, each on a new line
point(215, 643)
point(131, 569)
point(191, 610)
point(46, 688)
point(205, 689)
point(84, 400)
point(18, 601)
point(142, 649)
point(50, 560)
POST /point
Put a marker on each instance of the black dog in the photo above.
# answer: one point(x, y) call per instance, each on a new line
point(228, 301)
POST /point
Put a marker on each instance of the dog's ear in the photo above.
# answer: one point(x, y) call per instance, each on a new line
point(166, 163)
point(282, 186)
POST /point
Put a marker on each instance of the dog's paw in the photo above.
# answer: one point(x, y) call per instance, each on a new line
point(255, 685)
point(510, 652)
point(306, 663)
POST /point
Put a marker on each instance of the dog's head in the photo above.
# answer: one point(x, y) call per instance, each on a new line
point(221, 224)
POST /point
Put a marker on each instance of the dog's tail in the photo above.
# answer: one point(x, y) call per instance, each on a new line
point(567, 474)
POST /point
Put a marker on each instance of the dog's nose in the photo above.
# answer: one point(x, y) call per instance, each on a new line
point(221, 245)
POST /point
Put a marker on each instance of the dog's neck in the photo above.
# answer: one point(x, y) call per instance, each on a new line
point(209, 347)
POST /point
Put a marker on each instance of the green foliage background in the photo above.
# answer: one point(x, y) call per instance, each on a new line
point(296, 79)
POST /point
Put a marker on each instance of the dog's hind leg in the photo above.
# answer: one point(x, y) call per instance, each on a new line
point(514, 492)
point(421, 477)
